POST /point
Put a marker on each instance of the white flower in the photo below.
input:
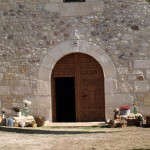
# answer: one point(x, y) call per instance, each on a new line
point(27, 102)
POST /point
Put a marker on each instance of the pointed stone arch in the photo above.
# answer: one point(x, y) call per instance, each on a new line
point(81, 46)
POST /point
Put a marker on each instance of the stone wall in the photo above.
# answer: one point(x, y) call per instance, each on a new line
point(29, 29)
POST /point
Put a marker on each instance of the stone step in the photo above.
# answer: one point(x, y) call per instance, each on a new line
point(74, 124)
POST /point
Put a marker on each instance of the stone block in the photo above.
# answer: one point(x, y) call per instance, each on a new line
point(9, 76)
point(116, 100)
point(53, 7)
point(47, 114)
point(127, 37)
point(122, 70)
point(97, 6)
point(80, 9)
point(44, 74)
point(48, 62)
point(21, 90)
point(107, 65)
point(125, 87)
point(137, 72)
point(147, 99)
point(24, 82)
point(75, 45)
point(144, 44)
point(4, 90)
point(131, 77)
point(1, 76)
point(66, 47)
point(90, 48)
point(141, 86)
point(110, 85)
point(40, 101)
point(76, 34)
point(142, 64)
point(148, 74)
point(43, 88)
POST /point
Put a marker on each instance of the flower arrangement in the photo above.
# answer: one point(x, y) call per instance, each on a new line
point(16, 109)
point(125, 110)
point(3, 111)
point(26, 103)
point(124, 107)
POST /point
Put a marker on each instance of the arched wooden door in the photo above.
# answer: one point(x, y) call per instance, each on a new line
point(78, 89)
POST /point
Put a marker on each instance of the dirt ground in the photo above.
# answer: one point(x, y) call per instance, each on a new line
point(75, 138)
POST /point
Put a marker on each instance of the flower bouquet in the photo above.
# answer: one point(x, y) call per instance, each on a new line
point(124, 110)
point(26, 109)
point(17, 110)
point(26, 103)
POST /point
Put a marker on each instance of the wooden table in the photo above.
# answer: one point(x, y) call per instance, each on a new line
point(28, 120)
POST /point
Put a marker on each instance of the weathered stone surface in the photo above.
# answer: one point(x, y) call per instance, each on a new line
point(127, 37)
point(44, 74)
point(77, 34)
point(79, 9)
point(110, 85)
point(4, 90)
point(117, 100)
point(43, 88)
point(125, 87)
point(24, 83)
point(141, 64)
point(137, 72)
point(147, 99)
point(141, 86)
point(106, 63)
point(40, 101)
point(148, 73)
point(1, 76)
point(122, 70)
point(53, 7)
point(21, 90)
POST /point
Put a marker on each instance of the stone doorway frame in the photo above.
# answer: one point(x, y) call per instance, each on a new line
point(57, 52)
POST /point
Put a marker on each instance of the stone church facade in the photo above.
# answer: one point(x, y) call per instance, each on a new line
point(36, 34)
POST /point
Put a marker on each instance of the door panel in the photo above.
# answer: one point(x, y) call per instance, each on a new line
point(89, 85)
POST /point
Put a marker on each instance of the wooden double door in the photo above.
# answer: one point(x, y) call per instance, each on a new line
point(77, 89)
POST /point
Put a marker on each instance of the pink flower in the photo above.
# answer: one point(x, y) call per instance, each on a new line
point(124, 107)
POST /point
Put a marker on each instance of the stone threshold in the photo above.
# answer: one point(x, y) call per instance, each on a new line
point(74, 124)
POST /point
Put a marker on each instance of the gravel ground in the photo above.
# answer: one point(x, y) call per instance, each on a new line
point(75, 138)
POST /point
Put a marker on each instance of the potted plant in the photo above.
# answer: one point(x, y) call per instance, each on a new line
point(17, 110)
point(125, 110)
point(39, 120)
